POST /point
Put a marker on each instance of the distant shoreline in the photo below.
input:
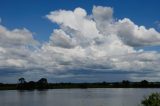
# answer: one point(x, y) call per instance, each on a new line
point(123, 84)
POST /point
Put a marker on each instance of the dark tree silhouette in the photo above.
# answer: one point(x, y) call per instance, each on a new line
point(30, 85)
point(43, 81)
point(144, 83)
point(125, 83)
point(42, 84)
point(21, 80)
point(21, 83)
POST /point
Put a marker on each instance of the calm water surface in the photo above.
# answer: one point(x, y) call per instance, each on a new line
point(75, 97)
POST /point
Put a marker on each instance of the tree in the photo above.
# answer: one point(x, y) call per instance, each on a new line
point(43, 81)
point(21, 80)
point(42, 84)
point(152, 100)
point(144, 83)
point(125, 83)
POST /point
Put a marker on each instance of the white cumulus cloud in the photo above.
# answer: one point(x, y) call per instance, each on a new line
point(94, 42)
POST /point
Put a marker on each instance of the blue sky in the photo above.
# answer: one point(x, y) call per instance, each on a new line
point(31, 13)
point(48, 44)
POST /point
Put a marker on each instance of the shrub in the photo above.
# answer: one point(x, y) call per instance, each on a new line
point(152, 100)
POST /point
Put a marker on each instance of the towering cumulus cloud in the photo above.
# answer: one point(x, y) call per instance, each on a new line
point(95, 43)
point(14, 47)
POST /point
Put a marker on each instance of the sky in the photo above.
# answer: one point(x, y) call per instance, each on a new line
point(79, 40)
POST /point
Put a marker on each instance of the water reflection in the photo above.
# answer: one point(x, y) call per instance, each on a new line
point(74, 97)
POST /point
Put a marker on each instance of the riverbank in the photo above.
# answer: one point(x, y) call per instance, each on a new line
point(123, 84)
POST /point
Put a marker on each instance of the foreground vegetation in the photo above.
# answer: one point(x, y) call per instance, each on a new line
point(152, 100)
point(43, 84)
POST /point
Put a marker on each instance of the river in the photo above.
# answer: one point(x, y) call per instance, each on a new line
point(75, 97)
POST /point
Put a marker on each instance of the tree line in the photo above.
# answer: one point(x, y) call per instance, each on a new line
point(40, 84)
point(22, 84)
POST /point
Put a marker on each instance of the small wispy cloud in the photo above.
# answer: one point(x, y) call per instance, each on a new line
point(0, 20)
point(158, 24)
